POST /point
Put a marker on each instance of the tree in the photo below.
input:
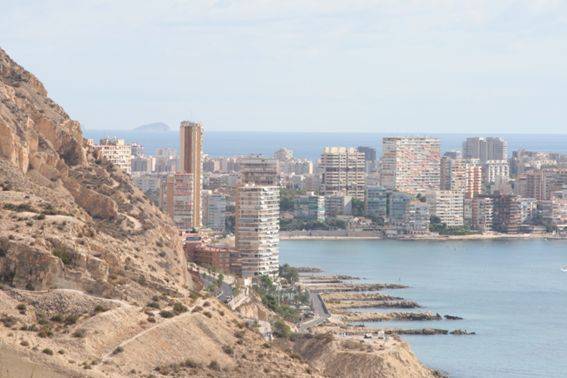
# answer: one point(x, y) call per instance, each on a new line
point(357, 207)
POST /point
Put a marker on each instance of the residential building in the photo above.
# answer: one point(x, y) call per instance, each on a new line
point(259, 170)
point(411, 164)
point(257, 229)
point(397, 207)
point(507, 213)
point(376, 202)
point(495, 174)
point(283, 154)
point(191, 161)
point(177, 200)
point(310, 207)
point(416, 218)
point(482, 213)
point(554, 210)
point(214, 210)
point(337, 204)
point(343, 170)
point(448, 206)
point(485, 149)
point(117, 152)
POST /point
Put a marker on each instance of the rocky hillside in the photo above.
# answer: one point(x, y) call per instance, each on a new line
point(93, 279)
point(68, 219)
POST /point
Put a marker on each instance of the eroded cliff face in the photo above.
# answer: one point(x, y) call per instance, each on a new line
point(69, 219)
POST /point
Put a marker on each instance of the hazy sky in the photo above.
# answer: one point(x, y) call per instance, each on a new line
point(375, 66)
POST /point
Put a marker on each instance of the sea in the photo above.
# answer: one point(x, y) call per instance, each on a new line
point(512, 293)
point(309, 145)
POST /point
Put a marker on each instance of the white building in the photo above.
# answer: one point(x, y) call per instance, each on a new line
point(411, 164)
point(343, 169)
point(259, 170)
point(117, 152)
point(257, 229)
point(448, 206)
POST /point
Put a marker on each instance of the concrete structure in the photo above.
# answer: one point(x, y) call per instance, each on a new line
point(257, 229)
point(482, 213)
point(416, 218)
point(343, 170)
point(495, 173)
point(410, 164)
point(117, 152)
point(397, 207)
point(507, 214)
point(259, 170)
point(283, 154)
point(448, 206)
point(214, 210)
point(337, 204)
point(485, 149)
point(376, 202)
point(554, 210)
point(191, 161)
point(310, 207)
point(176, 199)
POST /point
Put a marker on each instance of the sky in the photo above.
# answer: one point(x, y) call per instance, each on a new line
point(470, 66)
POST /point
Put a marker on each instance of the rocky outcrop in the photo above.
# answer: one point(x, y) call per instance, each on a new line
point(361, 358)
point(67, 217)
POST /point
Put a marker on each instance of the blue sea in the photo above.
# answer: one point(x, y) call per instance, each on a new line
point(512, 293)
point(309, 145)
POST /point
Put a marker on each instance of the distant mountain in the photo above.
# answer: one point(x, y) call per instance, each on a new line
point(153, 127)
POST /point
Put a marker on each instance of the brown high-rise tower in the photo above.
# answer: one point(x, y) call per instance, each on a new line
point(191, 151)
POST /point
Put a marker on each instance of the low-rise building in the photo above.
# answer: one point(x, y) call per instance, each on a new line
point(338, 204)
point(310, 207)
point(117, 152)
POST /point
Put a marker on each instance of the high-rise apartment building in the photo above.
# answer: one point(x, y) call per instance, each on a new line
point(495, 172)
point(448, 206)
point(482, 213)
point(411, 164)
point(257, 229)
point(191, 161)
point(484, 149)
point(343, 170)
point(176, 198)
point(117, 152)
point(259, 170)
point(376, 202)
point(214, 210)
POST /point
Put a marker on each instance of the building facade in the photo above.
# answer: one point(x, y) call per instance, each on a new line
point(411, 164)
point(257, 229)
point(343, 170)
point(485, 149)
point(191, 162)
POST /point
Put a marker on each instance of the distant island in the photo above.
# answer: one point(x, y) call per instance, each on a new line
point(153, 127)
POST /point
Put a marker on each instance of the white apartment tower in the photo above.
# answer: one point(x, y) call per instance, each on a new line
point(411, 164)
point(343, 170)
point(257, 229)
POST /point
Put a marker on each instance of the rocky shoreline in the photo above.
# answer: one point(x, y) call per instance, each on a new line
point(342, 295)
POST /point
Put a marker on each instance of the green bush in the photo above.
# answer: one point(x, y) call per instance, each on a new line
point(63, 255)
point(166, 314)
point(179, 308)
point(47, 351)
point(281, 329)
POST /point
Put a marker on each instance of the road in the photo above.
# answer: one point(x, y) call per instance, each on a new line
point(319, 309)
point(225, 289)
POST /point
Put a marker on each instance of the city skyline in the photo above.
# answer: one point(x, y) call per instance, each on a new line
point(319, 66)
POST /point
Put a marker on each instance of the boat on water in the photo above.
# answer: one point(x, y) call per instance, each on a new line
point(564, 268)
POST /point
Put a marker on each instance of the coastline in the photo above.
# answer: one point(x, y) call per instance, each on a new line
point(491, 236)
